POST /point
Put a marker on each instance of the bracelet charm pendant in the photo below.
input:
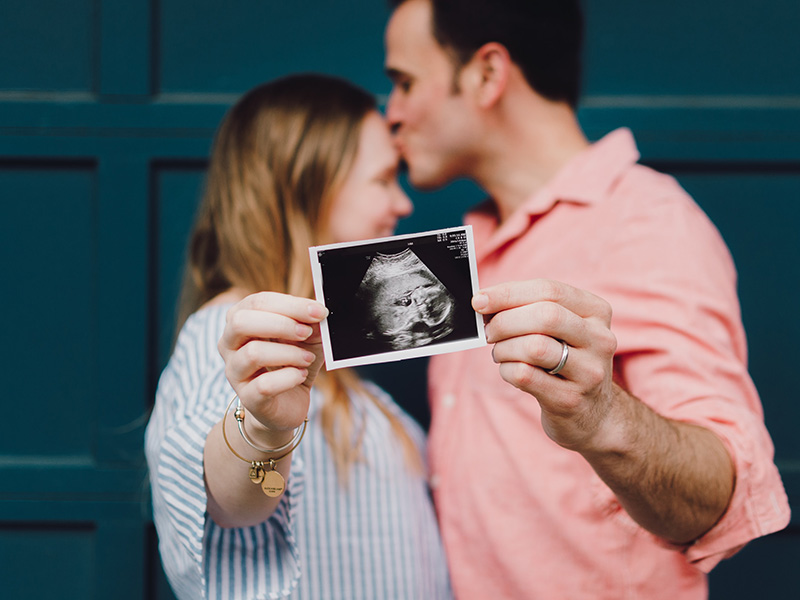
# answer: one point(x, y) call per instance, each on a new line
point(256, 472)
point(263, 473)
point(273, 482)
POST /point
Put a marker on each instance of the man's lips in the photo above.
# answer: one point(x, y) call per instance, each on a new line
point(399, 145)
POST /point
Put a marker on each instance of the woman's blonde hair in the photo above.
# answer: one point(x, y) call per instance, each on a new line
point(279, 156)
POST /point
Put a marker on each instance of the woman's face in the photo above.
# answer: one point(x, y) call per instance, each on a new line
point(370, 200)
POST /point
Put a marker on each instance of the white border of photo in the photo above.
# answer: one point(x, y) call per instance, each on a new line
point(476, 341)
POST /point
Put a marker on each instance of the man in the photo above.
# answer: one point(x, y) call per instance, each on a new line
point(628, 455)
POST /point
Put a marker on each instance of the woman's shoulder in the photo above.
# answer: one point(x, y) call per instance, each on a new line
point(205, 326)
point(195, 360)
point(206, 321)
point(197, 339)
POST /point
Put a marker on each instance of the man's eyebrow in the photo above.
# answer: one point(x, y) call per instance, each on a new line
point(393, 73)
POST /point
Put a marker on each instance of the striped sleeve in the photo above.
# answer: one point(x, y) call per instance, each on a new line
point(201, 559)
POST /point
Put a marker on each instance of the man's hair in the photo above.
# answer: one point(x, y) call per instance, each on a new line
point(543, 37)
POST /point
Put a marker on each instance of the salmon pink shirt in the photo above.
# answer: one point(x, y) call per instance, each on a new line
point(524, 518)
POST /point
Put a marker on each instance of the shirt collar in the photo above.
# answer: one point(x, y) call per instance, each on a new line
point(585, 179)
point(589, 176)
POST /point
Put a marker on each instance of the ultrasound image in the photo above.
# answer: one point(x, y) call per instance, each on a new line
point(404, 303)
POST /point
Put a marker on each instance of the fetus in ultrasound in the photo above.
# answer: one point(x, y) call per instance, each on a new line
point(405, 305)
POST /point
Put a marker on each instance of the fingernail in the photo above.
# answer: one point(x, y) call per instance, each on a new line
point(308, 356)
point(480, 302)
point(317, 311)
point(303, 330)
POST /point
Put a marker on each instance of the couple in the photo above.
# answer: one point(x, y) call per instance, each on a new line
point(567, 460)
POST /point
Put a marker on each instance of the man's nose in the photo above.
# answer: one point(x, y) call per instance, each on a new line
point(393, 113)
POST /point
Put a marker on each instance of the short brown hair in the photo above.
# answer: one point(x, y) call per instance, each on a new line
point(543, 37)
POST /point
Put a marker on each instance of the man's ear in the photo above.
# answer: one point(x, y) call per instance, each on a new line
point(490, 66)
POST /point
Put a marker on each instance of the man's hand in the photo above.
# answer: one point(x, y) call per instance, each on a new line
point(675, 479)
point(528, 322)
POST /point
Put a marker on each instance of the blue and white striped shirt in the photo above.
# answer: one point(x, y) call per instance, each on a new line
point(375, 539)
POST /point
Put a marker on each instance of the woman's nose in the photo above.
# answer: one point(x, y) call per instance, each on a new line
point(402, 203)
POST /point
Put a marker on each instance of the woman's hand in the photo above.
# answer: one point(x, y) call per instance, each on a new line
point(273, 351)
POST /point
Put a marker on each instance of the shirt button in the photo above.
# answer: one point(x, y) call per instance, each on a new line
point(435, 480)
point(449, 400)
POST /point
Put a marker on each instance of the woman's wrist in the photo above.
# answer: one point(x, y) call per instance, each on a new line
point(263, 437)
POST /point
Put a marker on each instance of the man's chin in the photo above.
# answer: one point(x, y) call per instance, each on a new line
point(427, 182)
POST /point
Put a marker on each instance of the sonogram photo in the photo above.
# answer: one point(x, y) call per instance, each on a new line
point(405, 305)
point(397, 298)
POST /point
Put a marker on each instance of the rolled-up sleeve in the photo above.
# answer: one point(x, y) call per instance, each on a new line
point(682, 351)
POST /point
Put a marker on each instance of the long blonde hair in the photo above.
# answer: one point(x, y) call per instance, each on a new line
point(279, 156)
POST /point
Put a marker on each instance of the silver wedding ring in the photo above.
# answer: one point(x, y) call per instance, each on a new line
point(563, 361)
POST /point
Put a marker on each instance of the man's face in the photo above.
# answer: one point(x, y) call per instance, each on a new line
point(430, 119)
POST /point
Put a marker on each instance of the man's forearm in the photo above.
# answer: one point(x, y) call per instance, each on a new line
point(675, 479)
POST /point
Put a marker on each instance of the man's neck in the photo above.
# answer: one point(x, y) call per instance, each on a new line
point(532, 144)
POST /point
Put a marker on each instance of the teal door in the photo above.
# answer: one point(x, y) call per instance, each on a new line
point(107, 109)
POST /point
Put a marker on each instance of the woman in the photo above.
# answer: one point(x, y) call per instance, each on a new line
point(340, 508)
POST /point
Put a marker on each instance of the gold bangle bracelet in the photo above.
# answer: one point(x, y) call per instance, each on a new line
point(263, 472)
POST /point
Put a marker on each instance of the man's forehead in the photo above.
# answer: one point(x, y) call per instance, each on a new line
point(410, 26)
point(413, 12)
point(410, 44)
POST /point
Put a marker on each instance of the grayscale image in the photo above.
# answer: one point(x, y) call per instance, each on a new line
point(399, 297)
point(405, 304)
